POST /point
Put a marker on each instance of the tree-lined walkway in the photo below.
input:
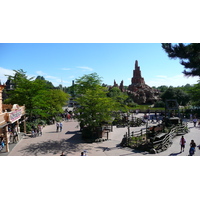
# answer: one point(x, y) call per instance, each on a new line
point(52, 143)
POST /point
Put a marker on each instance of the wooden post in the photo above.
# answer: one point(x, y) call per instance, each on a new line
point(6, 133)
point(17, 130)
point(25, 124)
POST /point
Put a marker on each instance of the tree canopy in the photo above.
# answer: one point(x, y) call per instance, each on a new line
point(189, 55)
point(95, 106)
point(121, 99)
point(40, 99)
point(175, 93)
point(87, 82)
point(195, 94)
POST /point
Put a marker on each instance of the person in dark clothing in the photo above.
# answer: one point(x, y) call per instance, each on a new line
point(62, 154)
point(182, 143)
point(192, 147)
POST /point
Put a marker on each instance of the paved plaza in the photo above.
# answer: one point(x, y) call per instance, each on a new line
point(52, 143)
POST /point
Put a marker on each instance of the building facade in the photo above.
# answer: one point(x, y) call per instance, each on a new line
point(10, 118)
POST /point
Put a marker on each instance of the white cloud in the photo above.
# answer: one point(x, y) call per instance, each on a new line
point(177, 80)
point(4, 72)
point(51, 77)
point(85, 68)
point(40, 73)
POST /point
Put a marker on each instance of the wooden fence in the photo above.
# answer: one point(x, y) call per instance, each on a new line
point(160, 142)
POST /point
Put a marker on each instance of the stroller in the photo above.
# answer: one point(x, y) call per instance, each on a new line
point(192, 151)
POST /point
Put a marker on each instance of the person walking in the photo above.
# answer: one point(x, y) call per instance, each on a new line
point(195, 121)
point(62, 154)
point(60, 125)
point(182, 143)
point(192, 147)
point(39, 129)
point(57, 127)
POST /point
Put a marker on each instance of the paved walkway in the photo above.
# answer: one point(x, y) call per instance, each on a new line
point(52, 143)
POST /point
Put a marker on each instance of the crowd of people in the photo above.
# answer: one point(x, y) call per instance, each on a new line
point(36, 131)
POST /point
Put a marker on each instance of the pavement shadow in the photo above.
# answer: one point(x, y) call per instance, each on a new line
point(72, 144)
point(132, 151)
point(135, 151)
point(72, 132)
point(53, 132)
point(175, 154)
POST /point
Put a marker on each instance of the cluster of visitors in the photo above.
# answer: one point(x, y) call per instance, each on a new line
point(192, 146)
point(157, 117)
point(13, 134)
point(36, 131)
point(194, 119)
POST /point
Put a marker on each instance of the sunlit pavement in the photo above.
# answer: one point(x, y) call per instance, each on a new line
point(52, 143)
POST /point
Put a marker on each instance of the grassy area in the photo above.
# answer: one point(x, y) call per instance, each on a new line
point(146, 107)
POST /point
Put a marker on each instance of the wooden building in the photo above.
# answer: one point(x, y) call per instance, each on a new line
point(10, 118)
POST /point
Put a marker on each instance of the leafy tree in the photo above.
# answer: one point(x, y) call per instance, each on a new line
point(95, 106)
point(178, 94)
point(185, 88)
point(39, 99)
point(120, 98)
point(86, 82)
point(159, 104)
point(18, 77)
point(189, 55)
point(49, 84)
point(162, 88)
point(195, 94)
point(48, 103)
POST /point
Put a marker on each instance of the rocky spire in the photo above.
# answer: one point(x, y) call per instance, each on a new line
point(121, 86)
point(137, 78)
point(115, 84)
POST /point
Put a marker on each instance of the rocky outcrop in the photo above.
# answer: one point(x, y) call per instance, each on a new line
point(140, 92)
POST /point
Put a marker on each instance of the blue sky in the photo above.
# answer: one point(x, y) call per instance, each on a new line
point(64, 62)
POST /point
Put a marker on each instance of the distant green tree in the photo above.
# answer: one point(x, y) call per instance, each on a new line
point(49, 84)
point(159, 104)
point(120, 98)
point(186, 88)
point(162, 88)
point(195, 94)
point(189, 55)
point(178, 94)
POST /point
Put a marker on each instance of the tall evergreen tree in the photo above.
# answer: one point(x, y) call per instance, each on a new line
point(189, 55)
